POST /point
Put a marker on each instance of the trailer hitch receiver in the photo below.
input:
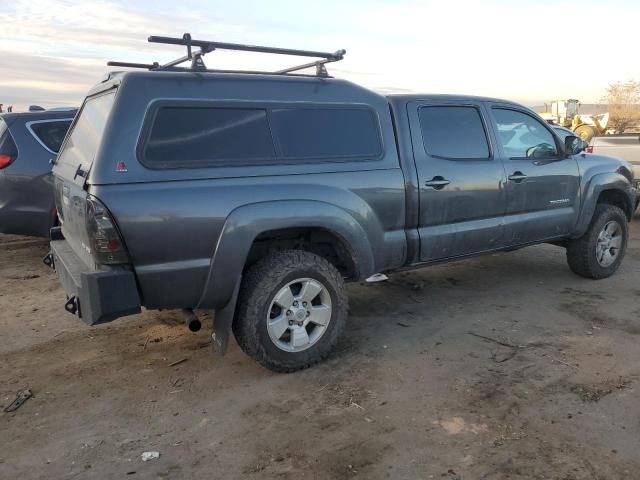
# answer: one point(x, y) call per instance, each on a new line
point(48, 260)
point(73, 306)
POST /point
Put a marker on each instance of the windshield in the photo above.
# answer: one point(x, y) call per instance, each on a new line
point(82, 144)
point(572, 108)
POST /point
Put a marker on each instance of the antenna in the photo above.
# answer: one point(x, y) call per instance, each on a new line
point(208, 46)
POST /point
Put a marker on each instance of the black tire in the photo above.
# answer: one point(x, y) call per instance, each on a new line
point(581, 253)
point(261, 283)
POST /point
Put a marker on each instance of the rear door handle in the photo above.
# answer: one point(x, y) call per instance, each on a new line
point(517, 177)
point(437, 183)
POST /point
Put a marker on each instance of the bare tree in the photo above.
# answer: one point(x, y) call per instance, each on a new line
point(624, 104)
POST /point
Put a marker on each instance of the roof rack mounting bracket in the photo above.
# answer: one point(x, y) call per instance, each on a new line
point(197, 63)
point(207, 46)
point(321, 70)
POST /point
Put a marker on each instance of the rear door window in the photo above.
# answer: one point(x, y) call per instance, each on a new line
point(327, 133)
point(50, 133)
point(453, 132)
point(193, 136)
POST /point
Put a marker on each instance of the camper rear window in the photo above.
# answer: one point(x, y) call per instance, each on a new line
point(194, 136)
point(86, 135)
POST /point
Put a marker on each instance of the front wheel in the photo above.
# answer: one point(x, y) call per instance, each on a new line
point(291, 309)
point(599, 252)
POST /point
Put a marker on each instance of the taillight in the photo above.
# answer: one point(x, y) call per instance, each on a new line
point(5, 161)
point(107, 247)
point(589, 149)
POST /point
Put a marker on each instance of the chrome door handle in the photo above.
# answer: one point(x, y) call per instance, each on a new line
point(517, 177)
point(437, 183)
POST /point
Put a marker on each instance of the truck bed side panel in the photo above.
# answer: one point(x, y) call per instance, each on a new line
point(171, 237)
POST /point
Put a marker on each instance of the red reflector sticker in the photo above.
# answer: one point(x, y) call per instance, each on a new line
point(121, 167)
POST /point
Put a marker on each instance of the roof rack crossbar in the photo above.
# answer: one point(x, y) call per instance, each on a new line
point(207, 46)
point(149, 66)
point(244, 48)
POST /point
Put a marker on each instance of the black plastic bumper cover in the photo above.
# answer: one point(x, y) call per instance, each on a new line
point(100, 295)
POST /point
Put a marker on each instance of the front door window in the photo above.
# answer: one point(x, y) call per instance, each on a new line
point(523, 137)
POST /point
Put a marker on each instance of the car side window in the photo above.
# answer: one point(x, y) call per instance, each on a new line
point(327, 133)
point(522, 136)
point(51, 134)
point(209, 136)
point(453, 132)
point(562, 133)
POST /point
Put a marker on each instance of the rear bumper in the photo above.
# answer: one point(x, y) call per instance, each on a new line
point(96, 296)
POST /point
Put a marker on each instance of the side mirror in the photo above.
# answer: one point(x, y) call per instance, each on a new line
point(573, 145)
point(542, 150)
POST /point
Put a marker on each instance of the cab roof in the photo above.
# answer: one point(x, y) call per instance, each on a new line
point(416, 97)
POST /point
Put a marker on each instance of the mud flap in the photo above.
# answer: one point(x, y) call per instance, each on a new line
point(222, 322)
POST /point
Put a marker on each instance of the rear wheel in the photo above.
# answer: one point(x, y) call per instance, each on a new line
point(291, 309)
point(599, 252)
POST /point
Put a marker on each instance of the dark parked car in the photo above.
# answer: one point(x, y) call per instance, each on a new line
point(257, 195)
point(28, 141)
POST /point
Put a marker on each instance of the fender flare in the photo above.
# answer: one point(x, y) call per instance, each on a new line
point(591, 192)
point(245, 223)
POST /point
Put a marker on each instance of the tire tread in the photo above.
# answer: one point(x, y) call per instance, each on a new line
point(256, 288)
point(580, 252)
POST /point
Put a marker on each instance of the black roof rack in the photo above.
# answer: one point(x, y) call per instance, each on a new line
point(206, 46)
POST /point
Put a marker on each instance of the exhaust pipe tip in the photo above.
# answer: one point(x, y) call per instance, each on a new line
point(194, 325)
point(193, 322)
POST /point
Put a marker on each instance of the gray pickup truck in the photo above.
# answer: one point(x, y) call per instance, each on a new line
point(625, 146)
point(257, 195)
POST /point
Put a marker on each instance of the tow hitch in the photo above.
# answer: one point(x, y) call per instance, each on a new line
point(73, 306)
point(48, 260)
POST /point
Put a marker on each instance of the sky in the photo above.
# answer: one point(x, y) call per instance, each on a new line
point(531, 51)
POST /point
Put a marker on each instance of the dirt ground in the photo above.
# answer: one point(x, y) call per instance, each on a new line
point(506, 366)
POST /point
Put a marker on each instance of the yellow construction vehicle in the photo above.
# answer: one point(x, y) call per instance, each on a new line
point(565, 113)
